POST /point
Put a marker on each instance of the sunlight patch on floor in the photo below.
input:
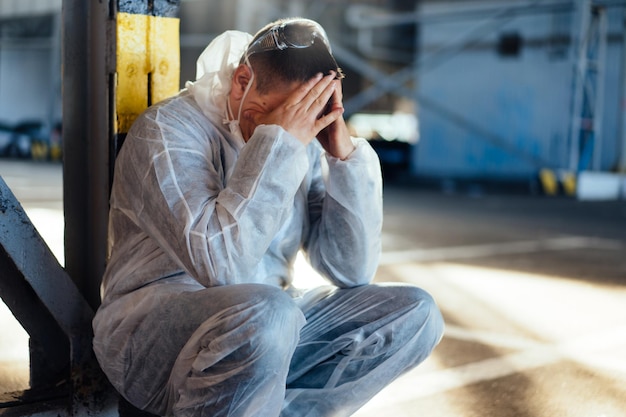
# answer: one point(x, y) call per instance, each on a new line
point(545, 320)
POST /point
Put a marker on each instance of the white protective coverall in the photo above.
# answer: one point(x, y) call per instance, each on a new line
point(198, 316)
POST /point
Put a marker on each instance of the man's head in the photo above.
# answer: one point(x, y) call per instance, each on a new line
point(289, 50)
point(281, 56)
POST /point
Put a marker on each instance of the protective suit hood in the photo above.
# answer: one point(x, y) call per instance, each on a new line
point(214, 72)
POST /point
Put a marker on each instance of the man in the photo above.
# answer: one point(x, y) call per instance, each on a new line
point(215, 192)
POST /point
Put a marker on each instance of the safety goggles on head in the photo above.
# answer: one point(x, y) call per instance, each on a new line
point(299, 34)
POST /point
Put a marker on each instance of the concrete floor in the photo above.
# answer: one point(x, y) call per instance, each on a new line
point(533, 291)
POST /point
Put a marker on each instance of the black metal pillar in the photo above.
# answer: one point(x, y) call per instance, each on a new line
point(88, 62)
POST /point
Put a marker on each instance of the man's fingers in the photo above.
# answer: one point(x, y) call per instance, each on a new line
point(305, 95)
point(328, 119)
point(338, 93)
point(300, 94)
point(302, 113)
point(319, 95)
point(324, 102)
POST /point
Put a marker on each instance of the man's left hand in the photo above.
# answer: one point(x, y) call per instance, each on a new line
point(335, 138)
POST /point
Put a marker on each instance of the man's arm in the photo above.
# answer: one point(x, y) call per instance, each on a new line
point(345, 206)
point(345, 209)
point(171, 185)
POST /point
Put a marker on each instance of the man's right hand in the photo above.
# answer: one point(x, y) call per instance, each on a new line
point(299, 113)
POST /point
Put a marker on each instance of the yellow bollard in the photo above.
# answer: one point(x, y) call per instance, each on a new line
point(549, 181)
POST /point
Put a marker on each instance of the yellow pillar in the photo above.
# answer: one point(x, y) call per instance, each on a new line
point(148, 64)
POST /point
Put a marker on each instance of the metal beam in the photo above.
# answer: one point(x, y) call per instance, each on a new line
point(41, 295)
point(588, 92)
point(47, 303)
point(383, 83)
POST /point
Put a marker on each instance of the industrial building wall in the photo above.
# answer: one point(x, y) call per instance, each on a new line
point(500, 104)
point(614, 138)
point(30, 63)
point(26, 85)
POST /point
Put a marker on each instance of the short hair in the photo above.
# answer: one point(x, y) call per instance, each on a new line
point(276, 66)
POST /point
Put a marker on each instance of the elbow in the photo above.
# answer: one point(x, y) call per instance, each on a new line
point(354, 267)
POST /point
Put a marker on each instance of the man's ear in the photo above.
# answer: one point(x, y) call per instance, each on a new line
point(241, 78)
